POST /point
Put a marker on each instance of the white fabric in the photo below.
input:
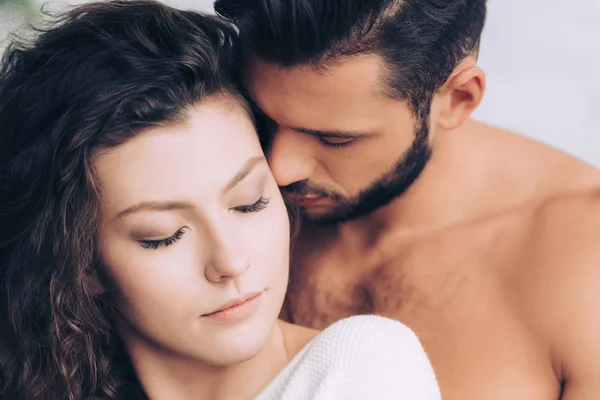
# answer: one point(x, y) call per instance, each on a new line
point(362, 357)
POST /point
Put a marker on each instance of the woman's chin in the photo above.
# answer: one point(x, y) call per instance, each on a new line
point(237, 352)
point(240, 344)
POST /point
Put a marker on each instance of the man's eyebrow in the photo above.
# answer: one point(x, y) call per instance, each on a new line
point(313, 132)
point(331, 134)
point(154, 206)
point(246, 169)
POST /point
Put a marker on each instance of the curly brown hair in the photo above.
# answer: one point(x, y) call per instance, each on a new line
point(96, 76)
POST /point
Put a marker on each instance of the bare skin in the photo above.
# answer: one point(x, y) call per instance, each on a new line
point(487, 270)
point(491, 256)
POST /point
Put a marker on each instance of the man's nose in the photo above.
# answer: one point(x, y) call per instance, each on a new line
point(290, 157)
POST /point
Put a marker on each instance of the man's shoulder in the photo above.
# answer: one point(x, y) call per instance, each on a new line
point(529, 160)
point(569, 222)
point(560, 234)
point(566, 235)
point(550, 249)
point(550, 275)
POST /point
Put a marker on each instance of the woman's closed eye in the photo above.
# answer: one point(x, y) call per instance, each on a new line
point(257, 206)
point(156, 243)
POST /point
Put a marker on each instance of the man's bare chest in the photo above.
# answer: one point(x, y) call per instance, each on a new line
point(479, 348)
point(331, 285)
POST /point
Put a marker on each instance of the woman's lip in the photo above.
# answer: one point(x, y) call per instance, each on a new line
point(237, 312)
point(234, 303)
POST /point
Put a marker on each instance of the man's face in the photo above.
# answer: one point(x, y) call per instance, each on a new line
point(338, 146)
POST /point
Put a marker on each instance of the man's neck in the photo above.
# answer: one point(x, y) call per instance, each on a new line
point(167, 376)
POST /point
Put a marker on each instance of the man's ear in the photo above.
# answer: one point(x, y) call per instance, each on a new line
point(461, 94)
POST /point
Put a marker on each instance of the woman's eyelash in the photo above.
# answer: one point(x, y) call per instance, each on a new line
point(260, 205)
point(155, 244)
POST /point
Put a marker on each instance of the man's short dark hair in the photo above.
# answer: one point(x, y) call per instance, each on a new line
point(421, 41)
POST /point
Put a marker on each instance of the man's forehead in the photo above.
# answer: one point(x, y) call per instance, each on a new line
point(337, 100)
point(364, 71)
point(345, 85)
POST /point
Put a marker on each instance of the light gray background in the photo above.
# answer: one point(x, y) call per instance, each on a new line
point(542, 58)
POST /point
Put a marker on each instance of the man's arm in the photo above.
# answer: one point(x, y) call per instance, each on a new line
point(575, 303)
point(578, 342)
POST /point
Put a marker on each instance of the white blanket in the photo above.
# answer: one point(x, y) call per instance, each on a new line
point(362, 357)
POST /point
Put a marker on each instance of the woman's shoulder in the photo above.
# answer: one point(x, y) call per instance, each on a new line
point(377, 357)
point(365, 340)
point(367, 330)
point(361, 357)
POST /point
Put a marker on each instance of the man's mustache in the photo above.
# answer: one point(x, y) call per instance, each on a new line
point(305, 188)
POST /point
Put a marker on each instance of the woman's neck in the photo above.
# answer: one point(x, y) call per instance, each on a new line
point(167, 376)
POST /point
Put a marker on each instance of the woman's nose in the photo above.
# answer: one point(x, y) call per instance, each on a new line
point(228, 260)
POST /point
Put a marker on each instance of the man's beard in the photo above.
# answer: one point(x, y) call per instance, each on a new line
point(383, 191)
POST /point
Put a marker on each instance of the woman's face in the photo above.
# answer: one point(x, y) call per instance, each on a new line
point(193, 223)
